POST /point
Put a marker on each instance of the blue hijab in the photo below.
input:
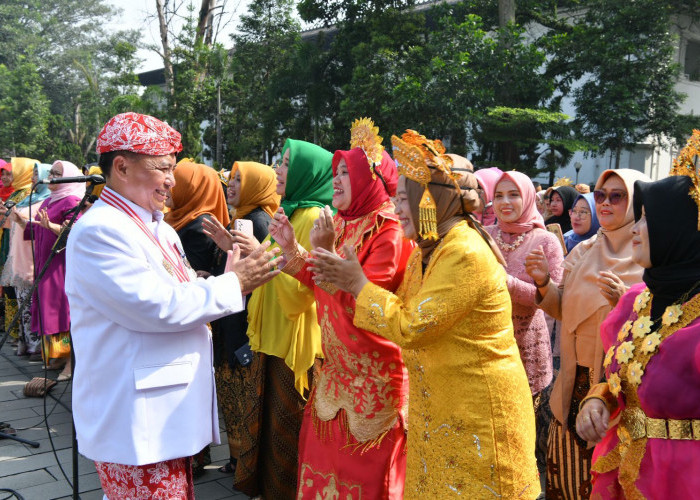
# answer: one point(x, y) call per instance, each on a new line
point(570, 237)
point(42, 191)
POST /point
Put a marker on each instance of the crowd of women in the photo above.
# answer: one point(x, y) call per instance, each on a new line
point(436, 331)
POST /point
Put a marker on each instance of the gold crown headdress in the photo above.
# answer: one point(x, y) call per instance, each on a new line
point(364, 135)
point(563, 181)
point(414, 155)
point(686, 164)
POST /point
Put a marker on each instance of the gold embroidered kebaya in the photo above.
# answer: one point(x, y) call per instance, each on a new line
point(471, 425)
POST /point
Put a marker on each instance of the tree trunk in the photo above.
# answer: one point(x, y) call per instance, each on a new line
point(617, 157)
point(167, 62)
point(205, 25)
point(506, 12)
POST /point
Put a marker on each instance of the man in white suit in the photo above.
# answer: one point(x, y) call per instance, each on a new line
point(143, 389)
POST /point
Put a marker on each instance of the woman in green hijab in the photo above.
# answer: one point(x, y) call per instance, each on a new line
point(282, 324)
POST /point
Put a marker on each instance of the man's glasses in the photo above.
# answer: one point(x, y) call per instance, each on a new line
point(581, 214)
point(615, 197)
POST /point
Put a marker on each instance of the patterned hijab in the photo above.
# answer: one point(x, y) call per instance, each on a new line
point(197, 192)
point(530, 218)
point(258, 188)
point(69, 189)
point(42, 190)
point(309, 177)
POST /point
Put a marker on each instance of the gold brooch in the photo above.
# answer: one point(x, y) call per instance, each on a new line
point(624, 352)
point(614, 384)
point(609, 356)
point(672, 315)
point(624, 331)
point(641, 301)
point(651, 342)
point(642, 326)
point(635, 373)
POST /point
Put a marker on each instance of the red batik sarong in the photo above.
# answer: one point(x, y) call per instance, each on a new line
point(171, 479)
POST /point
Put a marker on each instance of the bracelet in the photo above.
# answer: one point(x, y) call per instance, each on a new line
point(546, 282)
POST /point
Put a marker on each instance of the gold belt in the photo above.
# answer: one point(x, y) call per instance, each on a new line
point(634, 424)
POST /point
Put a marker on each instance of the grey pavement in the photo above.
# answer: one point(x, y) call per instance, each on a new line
point(35, 473)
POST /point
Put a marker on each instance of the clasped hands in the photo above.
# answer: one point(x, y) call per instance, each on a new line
point(325, 264)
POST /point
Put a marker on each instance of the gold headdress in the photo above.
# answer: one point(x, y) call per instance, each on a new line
point(563, 181)
point(364, 135)
point(686, 164)
point(414, 155)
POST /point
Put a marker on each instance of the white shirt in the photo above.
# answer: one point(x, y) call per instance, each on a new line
point(143, 385)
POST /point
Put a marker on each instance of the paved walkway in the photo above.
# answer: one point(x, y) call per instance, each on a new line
point(34, 472)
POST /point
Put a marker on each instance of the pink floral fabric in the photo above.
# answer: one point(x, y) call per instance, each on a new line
point(529, 323)
point(138, 133)
point(168, 480)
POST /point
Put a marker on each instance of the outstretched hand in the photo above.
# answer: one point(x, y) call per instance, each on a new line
point(345, 273)
point(323, 233)
point(256, 269)
point(218, 233)
point(282, 231)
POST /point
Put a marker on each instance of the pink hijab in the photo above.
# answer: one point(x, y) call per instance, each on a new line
point(531, 217)
point(69, 189)
point(487, 178)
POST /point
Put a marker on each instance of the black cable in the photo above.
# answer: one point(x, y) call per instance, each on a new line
point(12, 493)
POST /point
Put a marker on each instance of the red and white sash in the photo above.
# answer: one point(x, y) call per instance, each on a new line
point(171, 261)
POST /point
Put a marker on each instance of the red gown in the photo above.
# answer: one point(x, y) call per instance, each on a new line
point(353, 436)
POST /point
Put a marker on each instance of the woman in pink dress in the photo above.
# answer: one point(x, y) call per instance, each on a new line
point(50, 310)
point(520, 230)
point(652, 362)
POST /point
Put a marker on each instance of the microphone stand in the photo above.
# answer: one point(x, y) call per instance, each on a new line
point(57, 247)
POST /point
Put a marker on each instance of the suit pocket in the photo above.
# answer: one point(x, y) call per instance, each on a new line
point(170, 374)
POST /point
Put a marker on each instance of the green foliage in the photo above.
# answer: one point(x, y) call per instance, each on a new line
point(73, 70)
point(24, 111)
point(623, 51)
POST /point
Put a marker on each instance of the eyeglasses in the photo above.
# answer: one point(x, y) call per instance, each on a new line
point(615, 197)
point(581, 214)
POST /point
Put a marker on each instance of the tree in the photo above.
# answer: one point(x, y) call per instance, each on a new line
point(259, 111)
point(618, 58)
point(24, 111)
point(78, 76)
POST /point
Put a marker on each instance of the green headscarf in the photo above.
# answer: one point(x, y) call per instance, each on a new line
point(309, 177)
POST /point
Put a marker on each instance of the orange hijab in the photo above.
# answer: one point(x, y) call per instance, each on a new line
point(197, 192)
point(258, 188)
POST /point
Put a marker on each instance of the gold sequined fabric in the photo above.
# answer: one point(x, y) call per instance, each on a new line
point(471, 424)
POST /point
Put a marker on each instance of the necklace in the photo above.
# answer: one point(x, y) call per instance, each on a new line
point(509, 247)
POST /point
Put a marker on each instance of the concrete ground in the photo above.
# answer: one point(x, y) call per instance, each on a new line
point(34, 472)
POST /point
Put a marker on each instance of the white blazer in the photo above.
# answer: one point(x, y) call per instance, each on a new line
point(143, 385)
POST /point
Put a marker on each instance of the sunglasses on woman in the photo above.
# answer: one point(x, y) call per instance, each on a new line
point(615, 197)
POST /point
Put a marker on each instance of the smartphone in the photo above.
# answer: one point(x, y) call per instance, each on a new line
point(556, 230)
point(244, 226)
